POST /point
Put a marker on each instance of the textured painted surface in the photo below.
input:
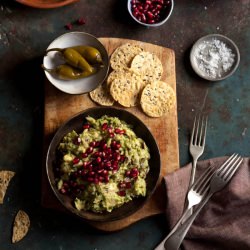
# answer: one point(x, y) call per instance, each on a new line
point(25, 33)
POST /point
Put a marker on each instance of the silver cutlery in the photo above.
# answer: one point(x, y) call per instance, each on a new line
point(195, 195)
point(218, 181)
point(196, 148)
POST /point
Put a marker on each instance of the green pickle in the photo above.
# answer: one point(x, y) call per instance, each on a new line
point(66, 72)
point(91, 54)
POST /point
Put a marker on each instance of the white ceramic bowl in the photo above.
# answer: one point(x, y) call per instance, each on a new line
point(53, 59)
point(214, 57)
point(165, 15)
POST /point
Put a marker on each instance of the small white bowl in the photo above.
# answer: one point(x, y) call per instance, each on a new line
point(82, 85)
point(165, 16)
point(210, 53)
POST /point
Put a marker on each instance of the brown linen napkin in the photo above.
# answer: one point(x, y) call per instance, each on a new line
point(224, 222)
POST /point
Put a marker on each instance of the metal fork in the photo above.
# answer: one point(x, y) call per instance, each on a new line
point(195, 195)
point(218, 181)
point(196, 148)
point(197, 143)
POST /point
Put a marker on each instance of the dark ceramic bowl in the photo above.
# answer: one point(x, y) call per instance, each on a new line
point(141, 131)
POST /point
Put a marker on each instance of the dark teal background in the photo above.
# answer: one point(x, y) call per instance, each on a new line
point(26, 32)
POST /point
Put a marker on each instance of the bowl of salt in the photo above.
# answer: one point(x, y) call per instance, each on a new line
point(214, 57)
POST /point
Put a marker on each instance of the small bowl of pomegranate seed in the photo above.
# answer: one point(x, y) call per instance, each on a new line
point(150, 13)
point(103, 164)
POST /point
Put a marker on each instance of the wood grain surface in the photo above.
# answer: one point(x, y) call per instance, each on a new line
point(60, 106)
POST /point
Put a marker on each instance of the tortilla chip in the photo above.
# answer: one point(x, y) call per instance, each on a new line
point(5, 177)
point(21, 226)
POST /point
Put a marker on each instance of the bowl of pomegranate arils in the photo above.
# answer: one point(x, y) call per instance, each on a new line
point(103, 164)
point(150, 13)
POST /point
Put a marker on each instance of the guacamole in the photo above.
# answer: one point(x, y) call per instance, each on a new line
point(104, 166)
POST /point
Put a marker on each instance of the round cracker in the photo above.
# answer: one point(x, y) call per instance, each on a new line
point(121, 58)
point(126, 89)
point(157, 99)
point(21, 226)
point(148, 65)
point(101, 95)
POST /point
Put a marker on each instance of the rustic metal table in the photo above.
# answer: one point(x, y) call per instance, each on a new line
point(26, 32)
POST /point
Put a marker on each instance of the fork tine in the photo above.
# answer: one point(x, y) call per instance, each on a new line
point(192, 136)
point(197, 130)
point(232, 169)
point(206, 183)
point(205, 131)
point(230, 159)
point(198, 136)
point(206, 175)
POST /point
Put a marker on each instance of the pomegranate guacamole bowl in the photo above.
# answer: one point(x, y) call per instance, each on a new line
point(103, 164)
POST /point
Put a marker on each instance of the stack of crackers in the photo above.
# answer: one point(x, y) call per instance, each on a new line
point(135, 79)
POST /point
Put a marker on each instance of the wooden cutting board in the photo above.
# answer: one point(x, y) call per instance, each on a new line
point(60, 106)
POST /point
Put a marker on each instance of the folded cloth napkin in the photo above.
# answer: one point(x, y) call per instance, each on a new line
point(224, 222)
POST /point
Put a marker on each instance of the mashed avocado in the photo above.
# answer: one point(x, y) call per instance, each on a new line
point(104, 166)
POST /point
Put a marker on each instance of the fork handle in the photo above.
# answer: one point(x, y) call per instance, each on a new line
point(178, 223)
point(175, 240)
point(191, 181)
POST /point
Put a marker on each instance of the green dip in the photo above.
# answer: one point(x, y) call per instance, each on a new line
point(103, 167)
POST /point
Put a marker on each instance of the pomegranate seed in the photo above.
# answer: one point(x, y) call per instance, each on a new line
point(105, 172)
point(63, 190)
point(85, 164)
point(150, 15)
point(92, 144)
point(113, 144)
point(81, 21)
point(151, 21)
point(106, 179)
point(104, 126)
point(111, 135)
point(122, 193)
point(76, 160)
point(100, 171)
point(90, 179)
point(92, 173)
point(121, 185)
point(65, 185)
point(77, 140)
point(86, 126)
point(89, 150)
point(68, 26)
point(127, 173)
point(98, 159)
point(84, 155)
point(128, 185)
point(108, 165)
point(122, 158)
point(101, 178)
